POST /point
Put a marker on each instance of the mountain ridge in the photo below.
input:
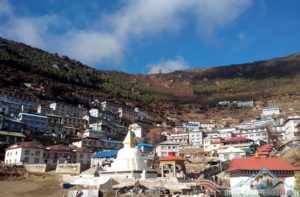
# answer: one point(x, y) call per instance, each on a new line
point(69, 80)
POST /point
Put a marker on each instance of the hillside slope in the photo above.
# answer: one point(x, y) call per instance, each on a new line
point(62, 78)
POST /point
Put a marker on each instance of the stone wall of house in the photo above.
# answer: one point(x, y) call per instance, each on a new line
point(70, 168)
point(39, 167)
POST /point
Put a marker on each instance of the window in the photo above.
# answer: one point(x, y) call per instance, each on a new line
point(237, 155)
point(25, 160)
point(37, 152)
point(226, 156)
point(16, 152)
point(27, 152)
point(81, 156)
point(36, 160)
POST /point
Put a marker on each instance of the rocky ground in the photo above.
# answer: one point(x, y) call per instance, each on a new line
point(31, 186)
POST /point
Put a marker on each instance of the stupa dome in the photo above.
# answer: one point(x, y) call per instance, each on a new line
point(129, 153)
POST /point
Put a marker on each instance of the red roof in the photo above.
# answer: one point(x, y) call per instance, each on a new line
point(237, 139)
point(216, 142)
point(253, 163)
point(171, 157)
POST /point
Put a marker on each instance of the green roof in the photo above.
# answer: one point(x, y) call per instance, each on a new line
point(16, 134)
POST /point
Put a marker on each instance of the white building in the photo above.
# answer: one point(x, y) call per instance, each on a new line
point(164, 148)
point(291, 128)
point(137, 130)
point(181, 137)
point(255, 133)
point(196, 137)
point(212, 144)
point(25, 153)
point(231, 153)
point(270, 111)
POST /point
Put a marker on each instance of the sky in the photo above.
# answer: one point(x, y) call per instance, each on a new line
point(150, 36)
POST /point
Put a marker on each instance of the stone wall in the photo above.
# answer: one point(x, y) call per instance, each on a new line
point(39, 167)
point(68, 168)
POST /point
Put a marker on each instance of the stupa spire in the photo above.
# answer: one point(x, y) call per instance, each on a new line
point(129, 141)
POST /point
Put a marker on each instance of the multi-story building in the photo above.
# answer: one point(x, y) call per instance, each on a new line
point(104, 115)
point(270, 111)
point(164, 148)
point(255, 133)
point(73, 121)
point(82, 155)
point(18, 102)
point(112, 144)
point(34, 122)
point(9, 124)
point(110, 106)
point(196, 137)
point(128, 113)
point(25, 153)
point(58, 154)
point(231, 153)
point(181, 137)
point(192, 126)
point(68, 110)
point(212, 144)
point(93, 143)
point(291, 128)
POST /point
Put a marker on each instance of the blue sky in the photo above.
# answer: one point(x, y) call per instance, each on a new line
point(142, 36)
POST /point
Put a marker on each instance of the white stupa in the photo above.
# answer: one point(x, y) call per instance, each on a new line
point(129, 162)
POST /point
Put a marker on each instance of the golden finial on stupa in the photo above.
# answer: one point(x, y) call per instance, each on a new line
point(129, 140)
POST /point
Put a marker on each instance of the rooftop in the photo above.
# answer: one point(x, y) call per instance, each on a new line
point(105, 154)
point(257, 163)
point(15, 134)
point(172, 157)
point(237, 139)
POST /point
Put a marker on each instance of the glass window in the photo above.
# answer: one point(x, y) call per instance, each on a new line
point(37, 152)
point(36, 160)
point(25, 160)
point(27, 152)
point(81, 156)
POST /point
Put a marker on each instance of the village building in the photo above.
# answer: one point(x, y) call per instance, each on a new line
point(73, 121)
point(255, 133)
point(182, 137)
point(34, 122)
point(270, 111)
point(9, 124)
point(58, 154)
point(25, 153)
point(82, 156)
point(256, 176)
point(196, 138)
point(291, 128)
point(231, 153)
point(212, 144)
point(103, 158)
point(110, 106)
point(92, 143)
point(62, 109)
point(163, 148)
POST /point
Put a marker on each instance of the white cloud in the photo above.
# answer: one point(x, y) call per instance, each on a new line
point(110, 36)
point(168, 66)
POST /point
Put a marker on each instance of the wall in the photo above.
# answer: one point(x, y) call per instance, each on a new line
point(39, 167)
point(71, 168)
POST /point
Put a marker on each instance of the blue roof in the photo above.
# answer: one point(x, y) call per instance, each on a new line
point(143, 144)
point(105, 154)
